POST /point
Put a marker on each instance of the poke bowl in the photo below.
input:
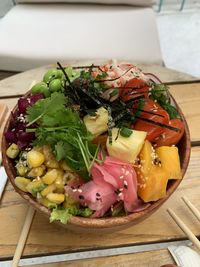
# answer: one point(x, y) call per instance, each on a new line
point(96, 147)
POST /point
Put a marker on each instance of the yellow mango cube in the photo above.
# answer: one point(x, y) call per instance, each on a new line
point(170, 162)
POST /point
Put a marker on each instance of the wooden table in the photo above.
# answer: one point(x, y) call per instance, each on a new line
point(48, 239)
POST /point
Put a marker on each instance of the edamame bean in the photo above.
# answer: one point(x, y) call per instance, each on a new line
point(50, 75)
point(55, 85)
point(40, 87)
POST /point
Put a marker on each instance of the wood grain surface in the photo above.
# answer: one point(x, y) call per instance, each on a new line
point(40, 241)
point(153, 259)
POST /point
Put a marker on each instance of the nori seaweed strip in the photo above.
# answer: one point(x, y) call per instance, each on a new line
point(64, 72)
point(134, 99)
point(85, 67)
point(114, 79)
point(110, 122)
point(97, 101)
point(149, 112)
point(159, 124)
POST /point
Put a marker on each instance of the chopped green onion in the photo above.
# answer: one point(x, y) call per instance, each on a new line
point(126, 132)
point(114, 92)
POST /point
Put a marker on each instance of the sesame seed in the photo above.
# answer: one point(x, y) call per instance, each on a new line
point(163, 135)
point(125, 185)
point(80, 190)
point(123, 170)
point(125, 182)
point(121, 177)
point(127, 173)
point(74, 190)
point(120, 194)
point(121, 189)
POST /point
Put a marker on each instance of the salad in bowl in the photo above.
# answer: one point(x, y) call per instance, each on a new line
point(96, 146)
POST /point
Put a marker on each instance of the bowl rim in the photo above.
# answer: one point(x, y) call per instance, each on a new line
point(108, 222)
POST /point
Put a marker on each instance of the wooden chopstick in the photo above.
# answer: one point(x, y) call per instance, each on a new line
point(26, 227)
point(184, 228)
point(23, 236)
point(193, 209)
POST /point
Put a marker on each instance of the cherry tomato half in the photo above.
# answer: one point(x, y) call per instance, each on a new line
point(170, 137)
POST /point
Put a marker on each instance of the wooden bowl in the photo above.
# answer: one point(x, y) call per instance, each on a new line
point(104, 224)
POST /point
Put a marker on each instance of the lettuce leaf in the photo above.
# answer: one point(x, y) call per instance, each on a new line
point(63, 215)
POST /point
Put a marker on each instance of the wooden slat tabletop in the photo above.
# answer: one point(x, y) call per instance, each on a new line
point(47, 239)
point(153, 259)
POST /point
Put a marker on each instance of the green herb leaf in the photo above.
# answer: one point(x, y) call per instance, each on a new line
point(160, 93)
point(47, 110)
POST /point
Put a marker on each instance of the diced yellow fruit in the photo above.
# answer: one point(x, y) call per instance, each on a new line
point(50, 176)
point(126, 148)
point(170, 162)
point(35, 158)
point(22, 183)
point(12, 151)
point(97, 124)
point(56, 198)
point(21, 169)
point(153, 186)
point(145, 156)
point(49, 189)
point(35, 186)
point(36, 172)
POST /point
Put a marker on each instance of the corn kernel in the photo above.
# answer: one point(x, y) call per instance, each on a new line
point(44, 201)
point(49, 189)
point(52, 163)
point(35, 172)
point(12, 151)
point(56, 198)
point(64, 166)
point(50, 176)
point(47, 152)
point(35, 158)
point(22, 183)
point(21, 169)
point(69, 202)
point(35, 186)
point(59, 184)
